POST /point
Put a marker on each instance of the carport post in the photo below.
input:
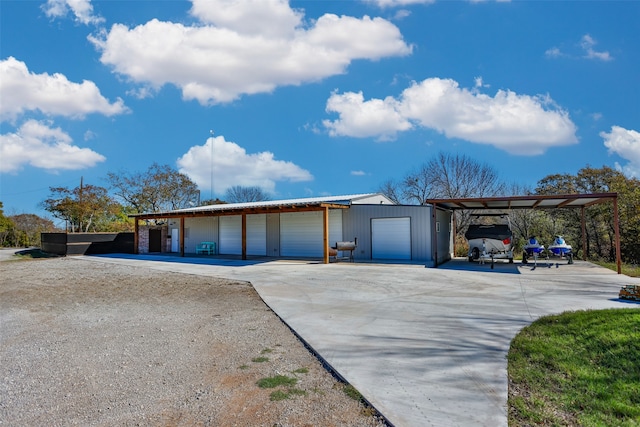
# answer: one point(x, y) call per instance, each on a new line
point(455, 230)
point(136, 235)
point(244, 236)
point(434, 232)
point(584, 234)
point(325, 234)
point(616, 226)
point(182, 236)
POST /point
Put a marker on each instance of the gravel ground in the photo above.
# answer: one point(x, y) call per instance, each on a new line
point(105, 345)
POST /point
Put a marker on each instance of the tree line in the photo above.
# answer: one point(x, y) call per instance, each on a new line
point(92, 208)
point(23, 230)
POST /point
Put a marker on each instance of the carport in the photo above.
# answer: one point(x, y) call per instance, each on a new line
point(554, 201)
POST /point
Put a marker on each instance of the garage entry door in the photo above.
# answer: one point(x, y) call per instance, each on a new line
point(301, 233)
point(231, 235)
point(391, 238)
point(257, 234)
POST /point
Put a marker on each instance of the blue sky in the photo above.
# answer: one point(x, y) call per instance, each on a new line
point(312, 98)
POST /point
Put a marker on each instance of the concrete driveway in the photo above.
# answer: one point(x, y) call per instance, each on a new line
point(426, 347)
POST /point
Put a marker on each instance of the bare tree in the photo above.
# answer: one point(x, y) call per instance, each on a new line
point(159, 188)
point(448, 176)
point(392, 190)
point(240, 194)
point(445, 176)
point(418, 186)
point(460, 176)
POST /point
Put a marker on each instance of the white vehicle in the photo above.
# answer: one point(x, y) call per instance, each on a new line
point(490, 241)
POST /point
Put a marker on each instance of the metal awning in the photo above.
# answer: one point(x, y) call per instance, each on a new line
point(547, 201)
point(526, 202)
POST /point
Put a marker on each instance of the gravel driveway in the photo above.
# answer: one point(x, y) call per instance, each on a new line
point(105, 345)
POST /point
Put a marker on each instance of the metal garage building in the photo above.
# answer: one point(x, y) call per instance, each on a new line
point(306, 228)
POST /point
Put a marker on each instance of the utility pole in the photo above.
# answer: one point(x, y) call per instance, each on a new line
point(80, 205)
point(211, 137)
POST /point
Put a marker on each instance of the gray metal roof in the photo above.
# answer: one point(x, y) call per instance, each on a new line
point(345, 200)
point(526, 202)
point(275, 203)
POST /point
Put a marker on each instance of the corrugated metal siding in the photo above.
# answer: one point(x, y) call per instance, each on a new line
point(257, 234)
point(335, 227)
point(357, 223)
point(200, 230)
point(444, 236)
point(231, 235)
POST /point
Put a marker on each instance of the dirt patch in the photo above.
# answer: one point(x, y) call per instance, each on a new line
point(102, 344)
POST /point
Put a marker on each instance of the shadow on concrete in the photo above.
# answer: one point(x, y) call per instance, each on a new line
point(222, 260)
point(499, 266)
point(625, 301)
point(237, 261)
point(504, 267)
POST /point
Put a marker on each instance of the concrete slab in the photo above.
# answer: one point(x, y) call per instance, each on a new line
point(426, 347)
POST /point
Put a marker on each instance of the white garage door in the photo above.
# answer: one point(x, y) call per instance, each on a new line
point(391, 238)
point(231, 235)
point(257, 234)
point(301, 233)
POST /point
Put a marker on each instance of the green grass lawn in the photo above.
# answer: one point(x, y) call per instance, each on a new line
point(577, 369)
point(631, 270)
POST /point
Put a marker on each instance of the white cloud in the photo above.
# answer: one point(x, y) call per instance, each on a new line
point(41, 146)
point(358, 173)
point(479, 83)
point(626, 144)
point(518, 124)
point(89, 135)
point(397, 3)
point(22, 90)
point(232, 165)
point(81, 9)
point(586, 51)
point(401, 3)
point(267, 18)
point(375, 118)
point(553, 52)
point(244, 48)
point(587, 44)
point(401, 14)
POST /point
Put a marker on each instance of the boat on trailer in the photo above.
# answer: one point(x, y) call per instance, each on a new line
point(561, 249)
point(533, 249)
point(490, 241)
